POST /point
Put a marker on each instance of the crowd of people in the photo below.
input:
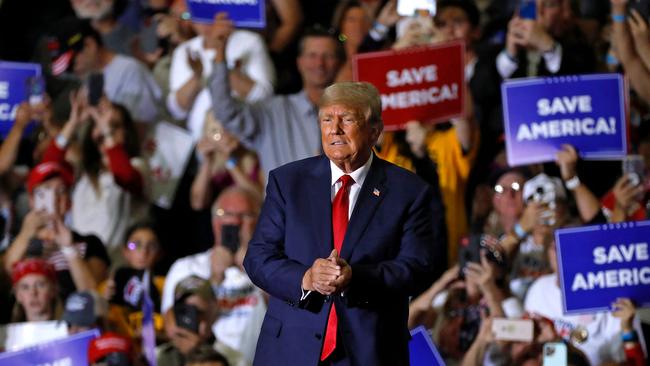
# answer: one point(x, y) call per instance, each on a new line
point(83, 242)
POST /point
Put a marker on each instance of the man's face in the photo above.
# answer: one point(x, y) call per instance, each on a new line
point(454, 24)
point(234, 208)
point(92, 9)
point(347, 136)
point(318, 63)
point(61, 198)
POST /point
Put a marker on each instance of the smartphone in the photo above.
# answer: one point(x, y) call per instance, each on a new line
point(633, 167)
point(35, 87)
point(44, 200)
point(410, 7)
point(517, 330)
point(95, 88)
point(555, 354)
point(528, 9)
point(642, 6)
point(230, 237)
point(469, 251)
point(187, 317)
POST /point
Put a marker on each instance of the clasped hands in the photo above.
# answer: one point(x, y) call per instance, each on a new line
point(328, 275)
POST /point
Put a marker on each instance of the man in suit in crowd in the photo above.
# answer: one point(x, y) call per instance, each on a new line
point(339, 291)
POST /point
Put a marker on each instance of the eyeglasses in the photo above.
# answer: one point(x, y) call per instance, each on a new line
point(138, 245)
point(501, 189)
point(220, 212)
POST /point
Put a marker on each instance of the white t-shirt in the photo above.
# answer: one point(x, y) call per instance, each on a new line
point(105, 212)
point(244, 46)
point(241, 304)
point(604, 330)
point(128, 82)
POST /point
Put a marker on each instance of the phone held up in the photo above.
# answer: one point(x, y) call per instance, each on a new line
point(35, 87)
point(555, 354)
point(44, 200)
point(409, 8)
point(641, 6)
point(528, 9)
point(187, 317)
point(95, 84)
point(230, 237)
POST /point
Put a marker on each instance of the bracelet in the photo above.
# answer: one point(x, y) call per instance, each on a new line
point(60, 141)
point(572, 183)
point(618, 18)
point(380, 28)
point(378, 31)
point(231, 163)
point(611, 60)
point(69, 251)
point(519, 231)
point(629, 336)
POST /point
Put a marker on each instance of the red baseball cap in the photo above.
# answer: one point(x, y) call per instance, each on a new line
point(108, 343)
point(32, 266)
point(50, 169)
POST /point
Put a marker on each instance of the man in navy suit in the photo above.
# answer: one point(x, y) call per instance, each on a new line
point(341, 242)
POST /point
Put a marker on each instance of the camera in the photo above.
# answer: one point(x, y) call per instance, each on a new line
point(187, 316)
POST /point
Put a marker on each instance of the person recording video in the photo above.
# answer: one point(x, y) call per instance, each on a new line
point(188, 326)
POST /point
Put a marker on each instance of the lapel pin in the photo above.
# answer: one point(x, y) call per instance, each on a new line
point(376, 192)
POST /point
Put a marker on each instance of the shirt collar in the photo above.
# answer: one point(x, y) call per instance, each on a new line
point(307, 108)
point(358, 175)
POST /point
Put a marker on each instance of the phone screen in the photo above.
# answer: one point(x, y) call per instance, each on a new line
point(187, 317)
point(555, 354)
point(518, 330)
point(44, 200)
point(230, 237)
point(528, 9)
point(35, 89)
point(410, 7)
point(95, 88)
point(633, 167)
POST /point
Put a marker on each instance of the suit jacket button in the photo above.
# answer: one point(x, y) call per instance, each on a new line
point(290, 302)
point(318, 336)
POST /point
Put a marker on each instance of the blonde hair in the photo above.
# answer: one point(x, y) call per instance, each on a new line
point(360, 95)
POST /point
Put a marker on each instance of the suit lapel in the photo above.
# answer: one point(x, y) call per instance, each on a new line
point(319, 200)
point(371, 194)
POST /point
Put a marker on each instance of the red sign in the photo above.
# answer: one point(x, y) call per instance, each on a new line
point(422, 83)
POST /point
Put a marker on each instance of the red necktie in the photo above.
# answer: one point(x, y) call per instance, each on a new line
point(339, 225)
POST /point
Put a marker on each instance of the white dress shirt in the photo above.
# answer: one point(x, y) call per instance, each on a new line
point(507, 66)
point(358, 175)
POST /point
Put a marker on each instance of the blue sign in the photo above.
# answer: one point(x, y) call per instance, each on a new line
point(422, 352)
point(71, 351)
point(598, 264)
point(586, 111)
point(13, 90)
point(243, 13)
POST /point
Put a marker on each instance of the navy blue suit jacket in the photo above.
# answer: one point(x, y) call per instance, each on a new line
point(389, 244)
